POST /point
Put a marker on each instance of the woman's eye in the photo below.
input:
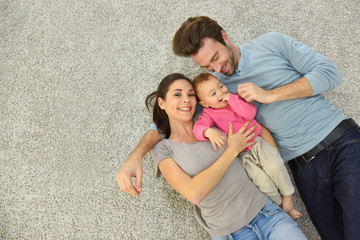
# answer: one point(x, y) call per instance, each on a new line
point(213, 94)
point(221, 86)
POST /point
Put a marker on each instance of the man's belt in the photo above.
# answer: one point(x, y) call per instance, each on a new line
point(335, 134)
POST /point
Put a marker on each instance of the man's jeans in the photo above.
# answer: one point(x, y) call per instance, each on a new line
point(329, 185)
point(270, 223)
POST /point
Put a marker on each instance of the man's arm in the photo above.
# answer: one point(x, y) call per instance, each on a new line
point(319, 74)
point(299, 89)
point(132, 168)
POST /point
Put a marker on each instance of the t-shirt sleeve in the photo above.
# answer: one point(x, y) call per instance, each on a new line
point(160, 152)
point(154, 127)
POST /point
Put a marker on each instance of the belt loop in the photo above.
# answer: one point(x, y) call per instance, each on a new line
point(298, 164)
point(353, 122)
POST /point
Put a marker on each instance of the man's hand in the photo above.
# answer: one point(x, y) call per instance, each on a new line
point(215, 137)
point(131, 169)
point(298, 89)
point(250, 92)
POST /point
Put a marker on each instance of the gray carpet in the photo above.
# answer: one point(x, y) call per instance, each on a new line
point(74, 76)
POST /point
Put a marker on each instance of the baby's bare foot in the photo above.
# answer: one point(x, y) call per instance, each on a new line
point(295, 214)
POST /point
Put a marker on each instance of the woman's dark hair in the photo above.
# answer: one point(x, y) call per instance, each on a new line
point(160, 117)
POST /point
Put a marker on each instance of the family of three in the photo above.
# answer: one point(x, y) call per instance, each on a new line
point(283, 80)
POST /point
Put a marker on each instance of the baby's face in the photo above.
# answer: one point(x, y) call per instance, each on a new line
point(211, 93)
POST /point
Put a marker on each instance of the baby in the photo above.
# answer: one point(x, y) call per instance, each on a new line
point(262, 161)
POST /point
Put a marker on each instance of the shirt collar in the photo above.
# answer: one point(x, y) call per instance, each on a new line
point(241, 61)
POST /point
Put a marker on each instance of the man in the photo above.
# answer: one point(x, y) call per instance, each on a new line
point(284, 79)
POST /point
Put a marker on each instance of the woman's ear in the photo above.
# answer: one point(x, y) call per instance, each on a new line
point(161, 103)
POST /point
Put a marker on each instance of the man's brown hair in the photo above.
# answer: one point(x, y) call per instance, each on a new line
point(188, 38)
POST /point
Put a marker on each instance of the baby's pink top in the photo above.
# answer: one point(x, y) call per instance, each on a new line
point(237, 112)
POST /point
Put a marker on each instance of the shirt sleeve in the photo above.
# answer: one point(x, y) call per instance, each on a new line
point(241, 107)
point(321, 72)
point(154, 127)
point(204, 122)
point(160, 152)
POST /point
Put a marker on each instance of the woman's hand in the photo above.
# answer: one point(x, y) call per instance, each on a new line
point(238, 141)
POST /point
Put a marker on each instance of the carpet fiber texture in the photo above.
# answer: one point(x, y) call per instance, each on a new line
point(74, 77)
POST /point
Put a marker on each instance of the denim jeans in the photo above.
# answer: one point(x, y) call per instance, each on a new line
point(270, 223)
point(329, 185)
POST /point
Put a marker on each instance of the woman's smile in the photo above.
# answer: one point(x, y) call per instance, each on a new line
point(185, 109)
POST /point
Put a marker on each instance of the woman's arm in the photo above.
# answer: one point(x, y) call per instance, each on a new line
point(196, 188)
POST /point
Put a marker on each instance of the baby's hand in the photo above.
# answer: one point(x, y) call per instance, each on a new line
point(226, 97)
point(215, 137)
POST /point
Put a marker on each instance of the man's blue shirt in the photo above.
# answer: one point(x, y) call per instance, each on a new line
point(274, 60)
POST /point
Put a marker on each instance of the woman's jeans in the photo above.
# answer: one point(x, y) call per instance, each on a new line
point(329, 185)
point(270, 223)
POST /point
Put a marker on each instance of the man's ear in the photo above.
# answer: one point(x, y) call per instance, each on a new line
point(225, 37)
point(203, 104)
point(161, 103)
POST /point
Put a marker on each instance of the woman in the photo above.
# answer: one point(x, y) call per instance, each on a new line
point(226, 202)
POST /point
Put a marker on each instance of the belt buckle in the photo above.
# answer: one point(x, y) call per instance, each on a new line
point(307, 160)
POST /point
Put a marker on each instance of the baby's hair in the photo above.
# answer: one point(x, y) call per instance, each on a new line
point(202, 77)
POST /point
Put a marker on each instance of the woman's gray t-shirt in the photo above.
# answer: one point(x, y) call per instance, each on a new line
point(232, 204)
